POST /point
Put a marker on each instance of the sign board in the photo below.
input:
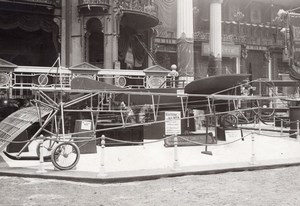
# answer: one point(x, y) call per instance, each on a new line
point(173, 123)
point(232, 135)
point(256, 47)
point(228, 50)
point(86, 125)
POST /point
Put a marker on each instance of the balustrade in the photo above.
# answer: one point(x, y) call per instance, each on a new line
point(93, 2)
point(145, 6)
point(46, 2)
point(23, 82)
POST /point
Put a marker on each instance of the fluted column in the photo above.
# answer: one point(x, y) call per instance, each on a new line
point(63, 33)
point(75, 33)
point(215, 37)
point(185, 40)
point(111, 38)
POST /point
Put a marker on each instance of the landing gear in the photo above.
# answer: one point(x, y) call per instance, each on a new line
point(65, 156)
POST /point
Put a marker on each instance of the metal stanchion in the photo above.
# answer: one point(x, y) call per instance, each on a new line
point(176, 164)
point(298, 136)
point(101, 172)
point(274, 120)
point(206, 141)
point(259, 126)
point(281, 126)
point(253, 158)
point(41, 169)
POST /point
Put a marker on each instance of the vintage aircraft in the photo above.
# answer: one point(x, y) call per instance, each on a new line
point(108, 109)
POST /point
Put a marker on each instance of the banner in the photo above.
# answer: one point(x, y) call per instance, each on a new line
point(294, 21)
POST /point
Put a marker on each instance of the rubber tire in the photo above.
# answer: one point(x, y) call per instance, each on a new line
point(54, 153)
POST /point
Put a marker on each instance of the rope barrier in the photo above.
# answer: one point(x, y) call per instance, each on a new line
point(155, 141)
point(176, 164)
point(85, 139)
point(268, 135)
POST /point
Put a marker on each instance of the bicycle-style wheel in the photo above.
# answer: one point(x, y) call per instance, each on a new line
point(65, 156)
point(229, 121)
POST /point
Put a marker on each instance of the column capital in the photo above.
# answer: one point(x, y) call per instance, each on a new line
point(217, 1)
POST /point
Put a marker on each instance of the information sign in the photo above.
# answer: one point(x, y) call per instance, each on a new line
point(86, 125)
point(173, 123)
point(232, 135)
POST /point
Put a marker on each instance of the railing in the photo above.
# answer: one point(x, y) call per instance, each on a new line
point(24, 79)
point(82, 3)
point(41, 2)
point(23, 82)
point(144, 6)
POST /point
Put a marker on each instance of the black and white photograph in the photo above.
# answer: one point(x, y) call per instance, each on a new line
point(149, 102)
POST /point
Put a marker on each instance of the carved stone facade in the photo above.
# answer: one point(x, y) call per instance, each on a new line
point(250, 25)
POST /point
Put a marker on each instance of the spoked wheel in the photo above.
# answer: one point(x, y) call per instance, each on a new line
point(229, 121)
point(65, 156)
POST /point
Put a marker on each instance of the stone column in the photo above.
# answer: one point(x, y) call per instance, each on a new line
point(238, 65)
point(185, 40)
point(63, 33)
point(87, 43)
point(269, 62)
point(108, 42)
point(76, 51)
point(111, 33)
point(215, 37)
